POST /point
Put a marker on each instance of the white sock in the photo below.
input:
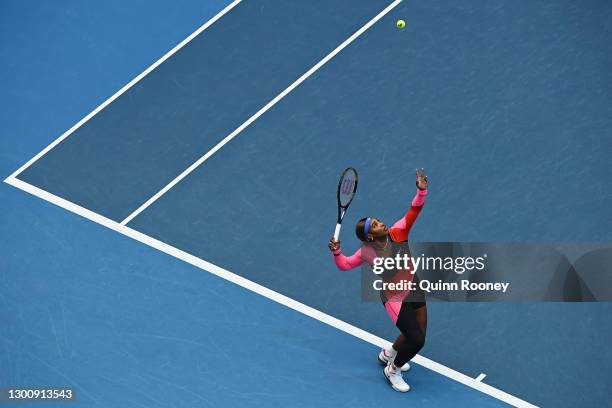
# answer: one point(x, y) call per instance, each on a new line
point(390, 352)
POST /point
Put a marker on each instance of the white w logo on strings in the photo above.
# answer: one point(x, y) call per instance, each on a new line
point(347, 186)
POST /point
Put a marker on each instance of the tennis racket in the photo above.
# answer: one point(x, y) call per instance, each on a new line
point(347, 187)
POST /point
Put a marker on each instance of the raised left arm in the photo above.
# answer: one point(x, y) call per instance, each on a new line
point(401, 229)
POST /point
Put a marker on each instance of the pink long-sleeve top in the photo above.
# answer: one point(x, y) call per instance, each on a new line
point(398, 233)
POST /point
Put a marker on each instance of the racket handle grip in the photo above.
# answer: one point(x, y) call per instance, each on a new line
point(337, 231)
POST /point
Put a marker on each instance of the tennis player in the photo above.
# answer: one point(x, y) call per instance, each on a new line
point(409, 317)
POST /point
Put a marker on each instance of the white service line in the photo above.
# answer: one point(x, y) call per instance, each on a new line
point(259, 113)
point(263, 291)
point(125, 88)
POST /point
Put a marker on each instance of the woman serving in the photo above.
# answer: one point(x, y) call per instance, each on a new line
point(409, 317)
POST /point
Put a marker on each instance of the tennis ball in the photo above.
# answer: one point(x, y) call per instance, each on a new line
point(400, 24)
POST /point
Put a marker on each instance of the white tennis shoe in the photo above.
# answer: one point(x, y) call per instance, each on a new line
point(384, 359)
point(394, 376)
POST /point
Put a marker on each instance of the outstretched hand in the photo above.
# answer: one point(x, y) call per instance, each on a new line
point(421, 179)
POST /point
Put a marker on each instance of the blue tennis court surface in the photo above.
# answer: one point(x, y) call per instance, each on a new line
point(507, 105)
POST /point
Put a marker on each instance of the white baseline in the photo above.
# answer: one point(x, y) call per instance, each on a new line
point(477, 383)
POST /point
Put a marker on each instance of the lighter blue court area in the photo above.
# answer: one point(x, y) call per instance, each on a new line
point(128, 326)
point(506, 105)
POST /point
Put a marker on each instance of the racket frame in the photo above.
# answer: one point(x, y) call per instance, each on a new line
point(342, 208)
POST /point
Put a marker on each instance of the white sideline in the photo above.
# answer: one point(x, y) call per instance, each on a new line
point(263, 291)
point(260, 112)
point(125, 88)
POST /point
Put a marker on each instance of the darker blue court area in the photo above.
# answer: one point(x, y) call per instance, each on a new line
point(191, 102)
point(506, 105)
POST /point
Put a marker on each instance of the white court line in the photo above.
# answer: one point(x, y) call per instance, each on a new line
point(480, 377)
point(214, 269)
point(263, 291)
point(260, 112)
point(125, 88)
